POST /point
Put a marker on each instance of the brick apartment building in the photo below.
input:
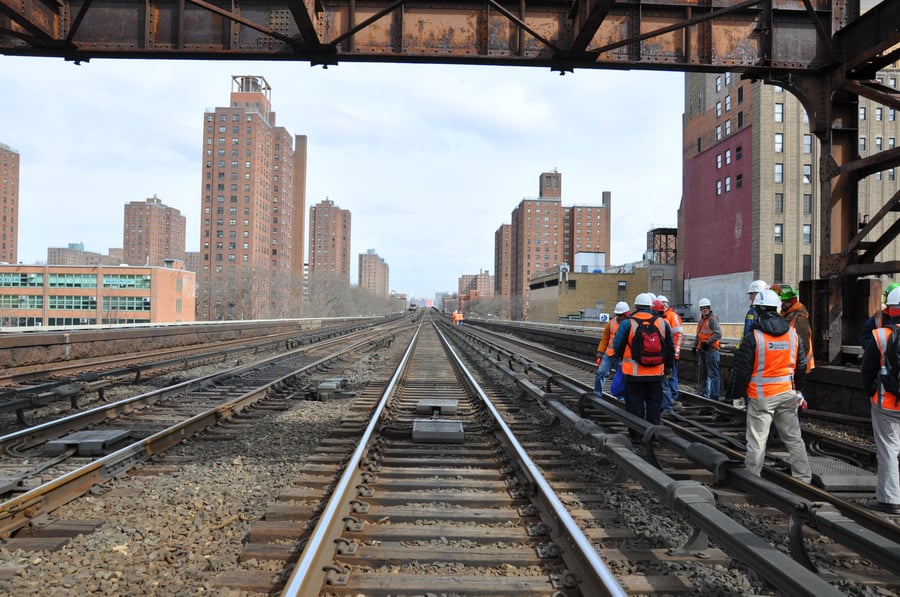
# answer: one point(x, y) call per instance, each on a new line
point(9, 201)
point(750, 206)
point(374, 273)
point(544, 235)
point(253, 204)
point(329, 241)
point(152, 233)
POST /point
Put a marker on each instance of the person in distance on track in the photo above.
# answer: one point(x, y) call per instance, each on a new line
point(606, 359)
point(885, 412)
point(770, 368)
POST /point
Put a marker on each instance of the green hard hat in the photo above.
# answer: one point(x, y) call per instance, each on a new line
point(888, 290)
point(787, 293)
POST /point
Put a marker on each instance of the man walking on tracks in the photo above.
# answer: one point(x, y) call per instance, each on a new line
point(769, 368)
point(878, 371)
point(644, 344)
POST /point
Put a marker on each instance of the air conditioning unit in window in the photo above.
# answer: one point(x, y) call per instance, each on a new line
point(146, 277)
point(146, 299)
point(22, 297)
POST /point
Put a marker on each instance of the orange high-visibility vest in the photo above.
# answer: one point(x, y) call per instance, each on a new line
point(882, 397)
point(609, 334)
point(629, 365)
point(704, 333)
point(776, 359)
point(674, 322)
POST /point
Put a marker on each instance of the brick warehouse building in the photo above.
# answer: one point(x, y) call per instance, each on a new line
point(253, 205)
point(47, 295)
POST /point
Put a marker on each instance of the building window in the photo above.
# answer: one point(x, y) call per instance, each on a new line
point(807, 234)
point(807, 143)
point(779, 112)
point(807, 267)
point(718, 187)
point(727, 103)
point(778, 274)
point(878, 143)
point(727, 156)
point(718, 83)
point(807, 203)
point(879, 113)
point(779, 142)
point(718, 109)
point(779, 233)
point(890, 142)
point(862, 112)
point(807, 173)
point(739, 180)
point(779, 172)
point(891, 174)
point(738, 152)
point(862, 143)
point(728, 78)
point(740, 119)
point(740, 94)
point(718, 160)
point(727, 184)
point(719, 133)
point(727, 127)
point(779, 203)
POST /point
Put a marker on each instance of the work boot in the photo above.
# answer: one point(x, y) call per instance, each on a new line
point(738, 403)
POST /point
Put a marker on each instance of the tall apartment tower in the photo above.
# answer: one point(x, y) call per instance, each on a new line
point(750, 204)
point(153, 232)
point(544, 235)
point(253, 202)
point(502, 264)
point(9, 201)
point(374, 273)
point(329, 241)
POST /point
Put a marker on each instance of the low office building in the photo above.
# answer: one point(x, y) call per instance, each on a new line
point(53, 295)
point(587, 297)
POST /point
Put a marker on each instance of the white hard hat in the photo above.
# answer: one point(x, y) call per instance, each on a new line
point(757, 286)
point(704, 302)
point(621, 307)
point(893, 298)
point(663, 298)
point(644, 299)
point(769, 298)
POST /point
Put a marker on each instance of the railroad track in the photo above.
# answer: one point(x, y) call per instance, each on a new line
point(93, 446)
point(730, 530)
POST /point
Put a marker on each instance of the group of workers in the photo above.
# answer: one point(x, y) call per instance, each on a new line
point(769, 367)
point(773, 357)
point(457, 317)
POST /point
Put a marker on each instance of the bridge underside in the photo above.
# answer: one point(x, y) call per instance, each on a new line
point(824, 51)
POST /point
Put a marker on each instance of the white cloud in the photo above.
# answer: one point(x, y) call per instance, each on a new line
point(430, 159)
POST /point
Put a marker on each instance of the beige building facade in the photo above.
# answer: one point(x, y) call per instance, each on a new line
point(374, 273)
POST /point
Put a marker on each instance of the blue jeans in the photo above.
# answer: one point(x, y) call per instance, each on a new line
point(670, 389)
point(709, 373)
point(606, 366)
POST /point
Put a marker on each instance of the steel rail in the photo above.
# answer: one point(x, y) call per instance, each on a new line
point(594, 576)
point(308, 574)
point(18, 511)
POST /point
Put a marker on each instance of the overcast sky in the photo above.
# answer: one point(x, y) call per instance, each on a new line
point(429, 159)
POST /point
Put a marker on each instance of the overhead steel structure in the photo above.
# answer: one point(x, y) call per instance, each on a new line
point(823, 51)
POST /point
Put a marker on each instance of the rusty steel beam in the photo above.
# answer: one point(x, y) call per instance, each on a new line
point(648, 34)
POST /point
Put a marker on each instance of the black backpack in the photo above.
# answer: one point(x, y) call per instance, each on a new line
point(890, 374)
point(647, 344)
